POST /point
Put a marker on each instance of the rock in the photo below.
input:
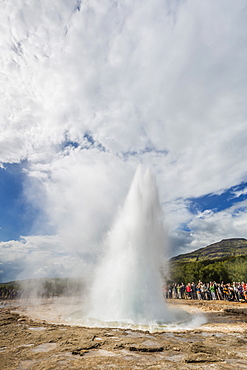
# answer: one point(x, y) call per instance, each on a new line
point(202, 348)
point(142, 348)
point(85, 347)
point(201, 357)
point(177, 349)
point(80, 352)
point(235, 311)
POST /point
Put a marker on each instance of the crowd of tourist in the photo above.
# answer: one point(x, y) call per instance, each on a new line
point(235, 291)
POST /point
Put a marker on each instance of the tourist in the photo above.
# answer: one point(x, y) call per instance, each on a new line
point(212, 290)
point(182, 290)
point(240, 292)
point(188, 291)
point(203, 291)
point(198, 291)
point(193, 290)
point(179, 291)
point(245, 291)
point(174, 291)
point(208, 295)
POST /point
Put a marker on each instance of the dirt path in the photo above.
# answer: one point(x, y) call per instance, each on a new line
point(29, 340)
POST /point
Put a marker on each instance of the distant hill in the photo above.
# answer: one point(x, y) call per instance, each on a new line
point(223, 249)
point(223, 261)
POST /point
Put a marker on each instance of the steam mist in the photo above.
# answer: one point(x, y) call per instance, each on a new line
point(128, 282)
point(127, 286)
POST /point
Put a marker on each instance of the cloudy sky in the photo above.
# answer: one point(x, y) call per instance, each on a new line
point(91, 89)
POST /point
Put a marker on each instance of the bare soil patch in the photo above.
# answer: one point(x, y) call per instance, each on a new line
point(29, 339)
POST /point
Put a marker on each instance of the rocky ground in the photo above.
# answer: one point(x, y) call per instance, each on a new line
point(27, 341)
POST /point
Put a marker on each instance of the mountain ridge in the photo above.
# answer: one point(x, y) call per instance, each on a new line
point(225, 248)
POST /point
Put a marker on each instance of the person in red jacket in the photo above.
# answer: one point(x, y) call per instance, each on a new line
point(188, 291)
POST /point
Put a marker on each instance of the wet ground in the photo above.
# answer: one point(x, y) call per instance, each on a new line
point(38, 337)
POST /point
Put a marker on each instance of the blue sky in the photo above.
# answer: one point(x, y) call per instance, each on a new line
point(164, 86)
point(16, 215)
point(19, 215)
point(219, 202)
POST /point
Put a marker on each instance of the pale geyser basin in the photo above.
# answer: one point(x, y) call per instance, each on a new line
point(71, 311)
point(183, 320)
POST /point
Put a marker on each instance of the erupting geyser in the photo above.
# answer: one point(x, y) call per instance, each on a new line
point(128, 282)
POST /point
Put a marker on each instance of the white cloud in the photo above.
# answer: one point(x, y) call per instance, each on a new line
point(238, 193)
point(210, 226)
point(40, 256)
point(161, 83)
point(82, 194)
point(175, 81)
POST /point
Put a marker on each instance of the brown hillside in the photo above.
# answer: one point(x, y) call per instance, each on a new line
point(223, 249)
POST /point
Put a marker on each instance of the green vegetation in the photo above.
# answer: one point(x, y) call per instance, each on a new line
point(224, 261)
